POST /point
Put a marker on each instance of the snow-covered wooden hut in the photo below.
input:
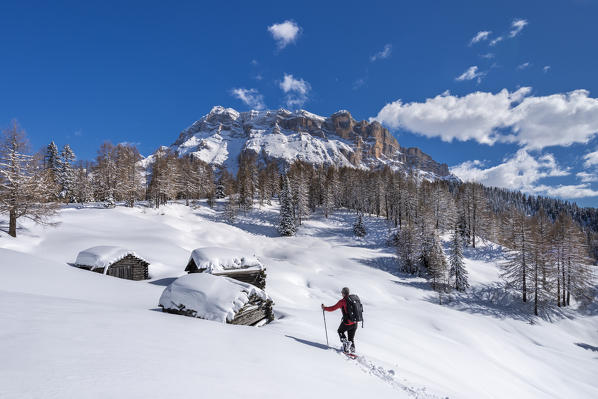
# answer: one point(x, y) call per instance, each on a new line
point(228, 262)
point(217, 298)
point(113, 261)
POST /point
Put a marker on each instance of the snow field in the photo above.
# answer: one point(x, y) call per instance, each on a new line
point(73, 333)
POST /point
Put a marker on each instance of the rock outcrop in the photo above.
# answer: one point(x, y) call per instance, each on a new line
point(220, 136)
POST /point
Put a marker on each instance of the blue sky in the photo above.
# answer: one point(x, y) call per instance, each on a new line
point(519, 112)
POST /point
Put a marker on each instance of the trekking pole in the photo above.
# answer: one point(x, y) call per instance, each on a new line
point(325, 328)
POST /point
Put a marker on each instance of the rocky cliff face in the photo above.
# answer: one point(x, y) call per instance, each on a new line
point(220, 136)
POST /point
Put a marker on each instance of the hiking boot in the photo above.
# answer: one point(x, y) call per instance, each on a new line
point(345, 345)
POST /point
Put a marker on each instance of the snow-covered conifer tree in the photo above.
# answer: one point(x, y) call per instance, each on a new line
point(51, 158)
point(286, 226)
point(66, 173)
point(358, 227)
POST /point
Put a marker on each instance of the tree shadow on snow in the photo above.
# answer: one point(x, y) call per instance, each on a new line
point(256, 221)
point(310, 343)
point(587, 346)
point(20, 229)
point(387, 264)
point(413, 283)
point(496, 301)
point(3, 226)
point(489, 253)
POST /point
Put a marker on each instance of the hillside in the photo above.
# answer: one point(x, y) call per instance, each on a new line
point(72, 333)
point(284, 136)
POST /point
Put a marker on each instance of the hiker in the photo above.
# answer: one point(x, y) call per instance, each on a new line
point(346, 324)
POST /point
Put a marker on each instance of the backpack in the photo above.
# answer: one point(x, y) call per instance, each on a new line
point(354, 309)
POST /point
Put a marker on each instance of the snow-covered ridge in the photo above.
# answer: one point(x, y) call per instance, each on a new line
point(285, 136)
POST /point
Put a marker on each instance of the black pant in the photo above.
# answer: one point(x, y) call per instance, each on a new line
point(350, 329)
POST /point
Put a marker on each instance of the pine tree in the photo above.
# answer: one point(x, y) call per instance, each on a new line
point(219, 192)
point(457, 269)
point(51, 164)
point(51, 158)
point(66, 174)
point(25, 186)
point(286, 226)
point(359, 228)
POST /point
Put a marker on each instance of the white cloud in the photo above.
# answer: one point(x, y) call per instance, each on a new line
point(517, 26)
point(523, 66)
point(251, 97)
point(568, 191)
point(590, 159)
point(284, 33)
point(296, 91)
point(480, 36)
point(487, 55)
point(495, 41)
point(523, 172)
point(514, 117)
point(546, 68)
point(586, 177)
point(384, 53)
point(470, 74)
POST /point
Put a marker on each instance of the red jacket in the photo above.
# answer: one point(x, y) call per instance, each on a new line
point(342, 304)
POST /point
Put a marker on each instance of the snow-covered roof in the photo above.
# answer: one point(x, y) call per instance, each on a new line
point(103, 256)
point(216, 259)
point(210, 297)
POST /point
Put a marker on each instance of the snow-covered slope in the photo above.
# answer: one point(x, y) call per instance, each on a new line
point(67, 332)
point(220, 136)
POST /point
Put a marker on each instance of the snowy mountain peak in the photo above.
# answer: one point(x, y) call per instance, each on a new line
point(285, 136)
point(220, 110)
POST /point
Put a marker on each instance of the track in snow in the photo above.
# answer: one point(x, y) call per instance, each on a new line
point(388, 376)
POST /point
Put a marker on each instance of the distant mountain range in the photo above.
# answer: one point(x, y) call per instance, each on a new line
point(281, 135)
